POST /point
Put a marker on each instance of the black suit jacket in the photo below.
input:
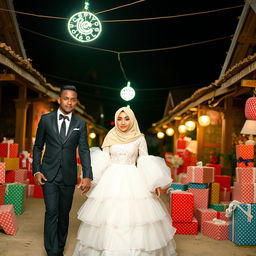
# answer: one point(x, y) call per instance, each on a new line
point(61, 154)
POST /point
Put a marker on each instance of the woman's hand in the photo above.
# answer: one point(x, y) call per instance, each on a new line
point(158, 192)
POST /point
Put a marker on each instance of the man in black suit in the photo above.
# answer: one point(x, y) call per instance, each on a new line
point(61, 132)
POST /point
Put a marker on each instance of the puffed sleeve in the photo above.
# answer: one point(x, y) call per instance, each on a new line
point(153, 168)
point(100, 160)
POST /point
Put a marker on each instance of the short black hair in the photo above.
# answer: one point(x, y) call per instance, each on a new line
point(68, 87)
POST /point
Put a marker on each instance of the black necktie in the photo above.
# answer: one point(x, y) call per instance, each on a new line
point(63, 127)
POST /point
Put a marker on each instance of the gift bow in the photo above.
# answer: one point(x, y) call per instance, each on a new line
point(246, 161)
point(230, 213)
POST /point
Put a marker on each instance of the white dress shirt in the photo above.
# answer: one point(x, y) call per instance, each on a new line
point(66, 121)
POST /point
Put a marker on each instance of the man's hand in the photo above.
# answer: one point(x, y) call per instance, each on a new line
point(158, 192)
point(85, 185)
point(39, 179)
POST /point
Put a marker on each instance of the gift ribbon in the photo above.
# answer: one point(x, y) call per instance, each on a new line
point(8, 184)
point(230, 213)
point(246, 161)
point(219, 222)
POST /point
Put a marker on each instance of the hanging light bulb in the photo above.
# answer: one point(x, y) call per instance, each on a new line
point(169, 132)
point(127, 93)
point(160, 135)
point(182, 128)
point(92, 135)
point(204, 120)
point(190, 125)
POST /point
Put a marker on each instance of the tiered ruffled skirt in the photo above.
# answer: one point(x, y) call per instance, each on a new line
point(121, 217)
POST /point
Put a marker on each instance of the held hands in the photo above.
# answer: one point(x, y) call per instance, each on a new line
point(85, 185)
point(39, 179)
point(158, 192)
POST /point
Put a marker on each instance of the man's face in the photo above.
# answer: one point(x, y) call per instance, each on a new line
point(67, 101)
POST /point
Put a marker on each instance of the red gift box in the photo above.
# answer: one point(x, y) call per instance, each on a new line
point(245, 155)
point(10, 176)
point(216, 229)
point(9, 149)
point(2, 172)
point(38, 191)
point(224, 180)
point(245, 192)
point(217, 168)
point(200, 174)
point(225, 195)
point(2, 194)
point(181, 206)
point(186, 228)
point(20, 176)
point(8, 219)
point(30, 176)
point(222, 216)
point(203, 215)
point(201, 197)
point(30, 190)
point(246, 175)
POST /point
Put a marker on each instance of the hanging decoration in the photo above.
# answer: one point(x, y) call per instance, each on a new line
point(84, 26)
point(127, 93)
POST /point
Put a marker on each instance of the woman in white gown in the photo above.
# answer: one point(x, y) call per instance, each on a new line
point(123, 215)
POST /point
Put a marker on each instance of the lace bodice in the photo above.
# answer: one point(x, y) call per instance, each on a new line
point(127, 153)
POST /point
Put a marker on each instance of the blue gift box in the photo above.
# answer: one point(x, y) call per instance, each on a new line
point(198, 185)
point(242, 229)
point(179, 186)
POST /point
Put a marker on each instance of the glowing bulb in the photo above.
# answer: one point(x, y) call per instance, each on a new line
point(92, 135)
point(204, 120)
point(190, 125)
point(182, 128)
point(160, 135)
point(169, 132)
point(127, 93)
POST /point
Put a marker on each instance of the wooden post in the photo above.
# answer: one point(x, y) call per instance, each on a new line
point(200, 137)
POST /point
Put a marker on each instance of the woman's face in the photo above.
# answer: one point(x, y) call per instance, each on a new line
point(123, 122)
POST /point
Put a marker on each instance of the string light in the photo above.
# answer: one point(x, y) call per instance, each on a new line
point(182, 128)
point(204, 120)
point(160, 135)
point(92, 135)
point(169, 131)
point(127, 93)
point(190, 125)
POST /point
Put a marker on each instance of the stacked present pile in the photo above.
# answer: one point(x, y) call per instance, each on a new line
point(242, 210)
point(201, 191)
point(16, 183)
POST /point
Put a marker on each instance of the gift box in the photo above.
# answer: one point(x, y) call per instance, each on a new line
point(10, 163)
point(186, 228)
point(15, 195)
point(217, 168)
point(242, 229)
point(215, 193)
point(216, 229)
point(179, 186)
point(245, 155)
point(181, 206)
point(9, 149)
point(8, 219)
point(38, 191)
point(201, 197)
point(245, 192)
point(246, 175)
point(200, 174)
point(218, 207)
point(30, 176)
point(20, 176)
point(9, 176)
point(30, 190)
point(203, 215)
point(25, 160)
point(198, 185)
point(224, 180)
point(225, 195)
point(2, 173)
point(222, 216)
point(1, 194)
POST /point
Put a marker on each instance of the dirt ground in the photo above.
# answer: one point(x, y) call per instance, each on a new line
point(29, 239)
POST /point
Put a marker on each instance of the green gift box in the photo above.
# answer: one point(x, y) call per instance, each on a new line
point(15, 195)
point(219, 207)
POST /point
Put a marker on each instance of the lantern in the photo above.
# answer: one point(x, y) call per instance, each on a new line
point(250, 108)
point(204, 120)
point(169, 132)
point(182, 128)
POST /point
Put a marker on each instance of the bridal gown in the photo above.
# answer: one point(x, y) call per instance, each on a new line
point(122, 216)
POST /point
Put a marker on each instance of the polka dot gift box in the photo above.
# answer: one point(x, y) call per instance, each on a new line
point(1, 194)
point(200, 174)
point(186, 228)
point(8, 219)
point(203, 215)
point(15, 195)
point(216, 229)
point(245, 155)
point(242, 229)
point(2, 173)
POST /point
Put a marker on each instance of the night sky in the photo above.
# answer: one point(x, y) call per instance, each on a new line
point(97, 74)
